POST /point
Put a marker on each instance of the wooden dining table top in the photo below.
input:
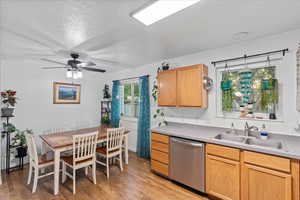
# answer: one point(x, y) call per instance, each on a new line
point(65, 138)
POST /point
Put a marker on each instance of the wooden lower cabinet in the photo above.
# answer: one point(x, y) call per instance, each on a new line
point(222, 177)
point(253, 176)
point(265, 184)
point(160, 153)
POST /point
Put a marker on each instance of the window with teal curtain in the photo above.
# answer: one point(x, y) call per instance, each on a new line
point(115, 104)
point(143, 139)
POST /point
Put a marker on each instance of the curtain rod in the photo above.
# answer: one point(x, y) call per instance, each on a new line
point(131, 78)
point(248, 63)
point(283, 51)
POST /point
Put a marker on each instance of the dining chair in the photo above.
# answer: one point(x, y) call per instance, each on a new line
point(122, 124)
point(37, 162)
point(113, 147)
point(84, 156)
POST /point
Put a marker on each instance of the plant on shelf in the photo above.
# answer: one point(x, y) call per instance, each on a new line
point(8, 128)
point(9, 99)
point(105, 119)
point(19, 141)
point(159, 114)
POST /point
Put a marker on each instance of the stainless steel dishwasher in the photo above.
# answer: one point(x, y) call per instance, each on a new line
point(188, 163)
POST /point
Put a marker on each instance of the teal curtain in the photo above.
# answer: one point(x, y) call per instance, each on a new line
point(143, 139)
point(115, 104)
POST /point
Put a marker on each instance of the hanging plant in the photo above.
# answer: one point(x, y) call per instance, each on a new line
point(227, 92)
point(269, 91)
point(159, 114)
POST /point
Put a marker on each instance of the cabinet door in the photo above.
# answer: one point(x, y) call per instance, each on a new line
point(265, 184)
point(223, 178)
point(190, 90)
point(167, 83)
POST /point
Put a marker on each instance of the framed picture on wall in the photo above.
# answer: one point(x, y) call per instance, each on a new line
point(66, 93)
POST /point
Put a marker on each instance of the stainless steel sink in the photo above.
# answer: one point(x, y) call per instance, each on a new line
point(270, 144)
point(252, 141)
point(231, 138)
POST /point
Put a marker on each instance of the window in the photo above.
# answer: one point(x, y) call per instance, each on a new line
point(246, 91)
point(130, 96)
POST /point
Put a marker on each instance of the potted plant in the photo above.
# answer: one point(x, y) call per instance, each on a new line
point(9, 99)
point(9, 128)
point(165, 65)
point(105, 119)
point(19, 141)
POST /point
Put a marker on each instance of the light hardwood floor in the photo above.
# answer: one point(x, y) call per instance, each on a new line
point(135, 183)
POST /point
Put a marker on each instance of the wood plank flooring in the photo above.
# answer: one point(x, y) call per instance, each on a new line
point(136, 182)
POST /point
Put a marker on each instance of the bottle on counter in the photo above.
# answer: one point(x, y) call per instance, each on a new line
point(264, 133)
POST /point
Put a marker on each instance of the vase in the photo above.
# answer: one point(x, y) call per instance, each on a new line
point(7, 112)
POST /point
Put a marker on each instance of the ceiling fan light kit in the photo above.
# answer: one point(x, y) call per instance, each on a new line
point(74, 66)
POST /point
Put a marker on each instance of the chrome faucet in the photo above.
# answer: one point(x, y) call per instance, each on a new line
point(248, 129)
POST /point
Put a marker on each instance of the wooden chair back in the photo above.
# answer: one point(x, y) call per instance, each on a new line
point(32, 149)
point(84, 146)
point(114, 138)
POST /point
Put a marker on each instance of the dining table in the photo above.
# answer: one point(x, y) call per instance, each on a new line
point(63, 141)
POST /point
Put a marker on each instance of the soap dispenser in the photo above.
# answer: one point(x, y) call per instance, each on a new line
point(232, 129)
point(264, 133)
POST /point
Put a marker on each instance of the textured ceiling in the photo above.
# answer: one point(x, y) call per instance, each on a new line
point(103, 31)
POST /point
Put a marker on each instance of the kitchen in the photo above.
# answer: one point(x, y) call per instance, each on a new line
point(208, 96)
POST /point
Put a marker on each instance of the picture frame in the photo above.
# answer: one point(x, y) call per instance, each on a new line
point(66, 93)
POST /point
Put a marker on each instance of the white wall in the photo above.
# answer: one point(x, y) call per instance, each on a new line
point(35, 109)
point(287, 71)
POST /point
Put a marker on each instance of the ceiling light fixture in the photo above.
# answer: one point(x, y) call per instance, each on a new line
point(161, 9)
point(74, 74)
point(69, 73)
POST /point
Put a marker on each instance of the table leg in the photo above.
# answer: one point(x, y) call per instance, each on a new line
point(126, 149)
point(56, 171)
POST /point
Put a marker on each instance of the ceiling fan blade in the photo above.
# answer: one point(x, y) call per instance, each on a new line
point(93, 69)
point(86, 64)
point(55, 67)
point(53, 61)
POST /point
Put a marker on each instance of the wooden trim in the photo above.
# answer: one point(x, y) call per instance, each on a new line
point(222, 151)
point(55, 98)
point(295, 170)
point(268, 161)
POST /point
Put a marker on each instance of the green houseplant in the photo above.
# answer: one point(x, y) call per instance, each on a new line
point(159, 114)
point(19, 141)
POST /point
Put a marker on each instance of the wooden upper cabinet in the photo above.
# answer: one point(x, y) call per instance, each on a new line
point(183, 87)
point(167, 81)
point(190, 89)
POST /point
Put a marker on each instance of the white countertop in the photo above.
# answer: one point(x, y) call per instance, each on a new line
point(206, 134)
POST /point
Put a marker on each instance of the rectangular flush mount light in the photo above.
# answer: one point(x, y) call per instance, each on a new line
point(161, 9)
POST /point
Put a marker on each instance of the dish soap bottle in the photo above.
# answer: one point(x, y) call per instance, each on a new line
point(263, 133)
point(232, 129)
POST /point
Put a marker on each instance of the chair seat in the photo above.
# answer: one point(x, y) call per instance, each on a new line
point(103, 150)
point(69, 160)
point(46, 158)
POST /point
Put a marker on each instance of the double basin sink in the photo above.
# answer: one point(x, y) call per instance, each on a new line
point(251, 141)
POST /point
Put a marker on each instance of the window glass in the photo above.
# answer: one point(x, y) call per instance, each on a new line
point(252, 94)
point(130, 100)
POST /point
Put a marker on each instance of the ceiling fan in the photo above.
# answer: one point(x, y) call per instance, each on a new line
point(74, 66)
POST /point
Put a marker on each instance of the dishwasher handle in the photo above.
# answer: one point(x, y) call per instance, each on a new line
point(186, 142)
